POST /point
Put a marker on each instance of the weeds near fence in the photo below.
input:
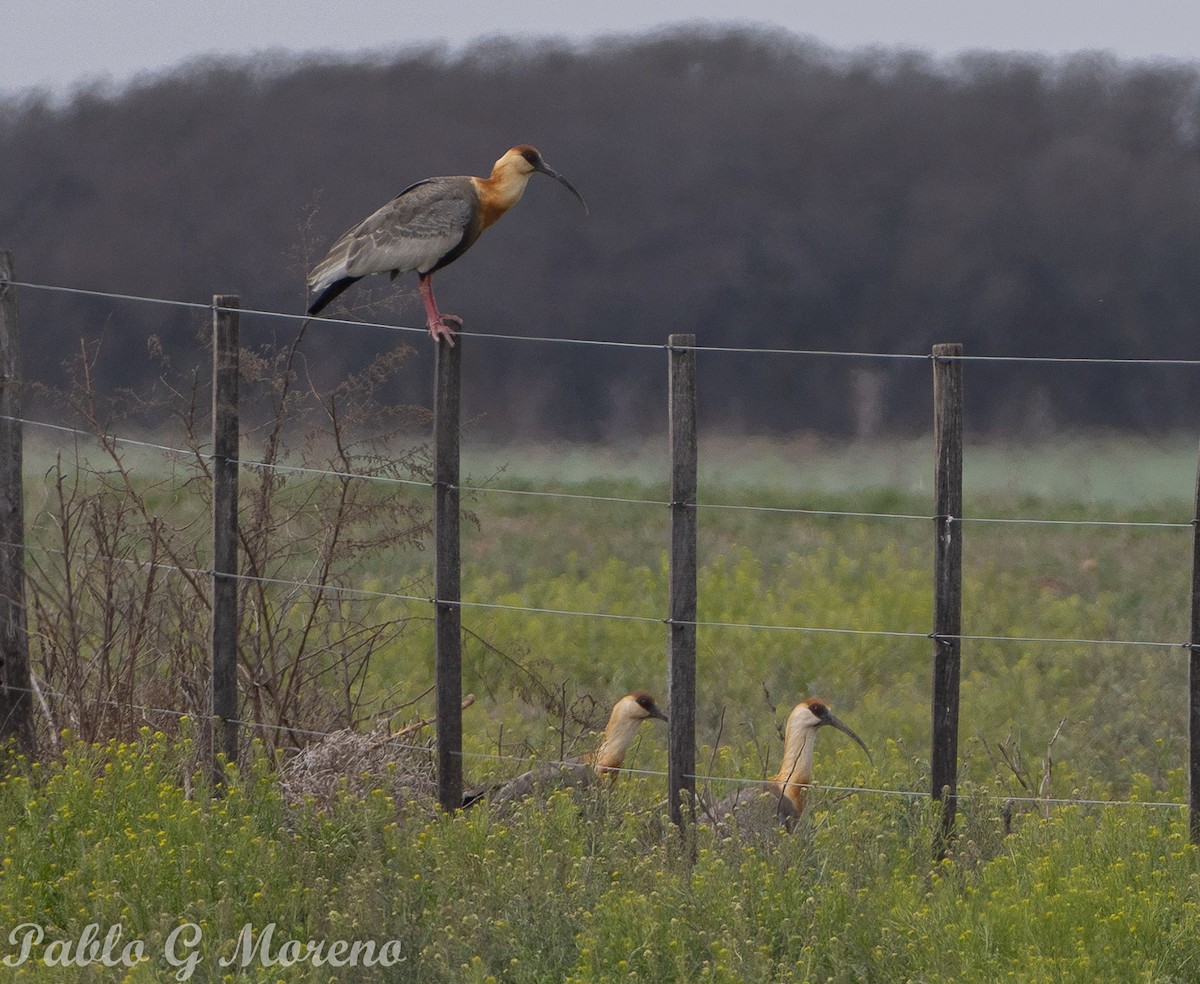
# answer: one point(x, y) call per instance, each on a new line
point(118, 592)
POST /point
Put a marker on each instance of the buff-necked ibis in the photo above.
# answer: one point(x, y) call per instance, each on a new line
point(428, 225)
point(780, 801)
point(627, 715)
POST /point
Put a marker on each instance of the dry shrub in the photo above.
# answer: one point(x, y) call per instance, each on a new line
point(120, 540)
point(347, 762)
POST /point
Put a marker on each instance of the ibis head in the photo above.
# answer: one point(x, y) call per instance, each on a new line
point(427, 226)
point(640, 705)
point(525, 161)
point(780, 801)
point(815, 713)
point(795, 771)
point(629, 712)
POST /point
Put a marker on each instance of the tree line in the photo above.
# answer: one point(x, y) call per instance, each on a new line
point(756, 189)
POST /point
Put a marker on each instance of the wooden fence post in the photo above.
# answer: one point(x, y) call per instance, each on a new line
point(15, 697)
point(947, 605)
point(681, 672)
point(447, 572)
point(1194, 680)
point(226, 431)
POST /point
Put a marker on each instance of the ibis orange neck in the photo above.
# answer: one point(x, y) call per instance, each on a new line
point(501, 191)
point(795, 771)
point(618, 736)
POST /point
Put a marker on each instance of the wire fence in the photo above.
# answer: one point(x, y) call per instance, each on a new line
point(376, 594)
point(491, 489)
point(608, 343)
point(659, 503)
point(584, 497)
point(527, 760)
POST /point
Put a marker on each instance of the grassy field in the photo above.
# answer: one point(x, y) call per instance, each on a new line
point(598, 888)
point(766, 568)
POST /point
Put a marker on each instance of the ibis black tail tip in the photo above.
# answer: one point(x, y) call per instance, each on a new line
point(322, 300)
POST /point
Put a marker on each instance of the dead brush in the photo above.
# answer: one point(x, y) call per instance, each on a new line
point(355, 764)
point(120, 542)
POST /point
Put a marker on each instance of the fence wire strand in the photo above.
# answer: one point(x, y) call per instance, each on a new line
point(608, 343)
point(251, 465)
point(533, 610)
point(528, 760)
point(375, 594)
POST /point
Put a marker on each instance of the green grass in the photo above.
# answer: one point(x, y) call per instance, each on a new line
point(585, 891)
point(1115, 470)
point(871, 576)
point(599, 890)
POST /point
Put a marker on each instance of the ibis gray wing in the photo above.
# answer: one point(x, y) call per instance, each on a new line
point(560, 775)
point(411, 232)
point(753, 810)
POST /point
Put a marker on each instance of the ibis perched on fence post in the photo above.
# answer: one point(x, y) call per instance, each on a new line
point(780, 801)
point(428, 225)
point(627, 714)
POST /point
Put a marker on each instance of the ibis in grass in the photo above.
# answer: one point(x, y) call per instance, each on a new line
point(627, 715)
point(425, 227)
point(780, 801)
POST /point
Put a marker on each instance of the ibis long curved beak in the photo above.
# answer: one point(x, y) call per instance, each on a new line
point(835, 723)
point(550, 172)
point(657, 711)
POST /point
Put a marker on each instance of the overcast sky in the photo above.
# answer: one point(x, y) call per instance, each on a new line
point(59, 44)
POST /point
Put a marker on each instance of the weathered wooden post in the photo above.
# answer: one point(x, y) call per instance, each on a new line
point(226, 430)
point(1194, 679)
point(681, 671)
point(947, 577)
point(16, 700)
point(447, 572)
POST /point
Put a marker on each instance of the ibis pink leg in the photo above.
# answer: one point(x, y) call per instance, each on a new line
point(439, 327)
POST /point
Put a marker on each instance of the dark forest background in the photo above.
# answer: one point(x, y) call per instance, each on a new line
point(753, 188)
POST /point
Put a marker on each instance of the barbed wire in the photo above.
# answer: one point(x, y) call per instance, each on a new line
point(531, 760)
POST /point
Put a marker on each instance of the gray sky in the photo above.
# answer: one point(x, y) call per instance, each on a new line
point(57, 44)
